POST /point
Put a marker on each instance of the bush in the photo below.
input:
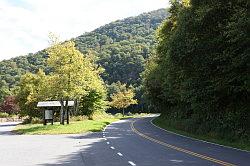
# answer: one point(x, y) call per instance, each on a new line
point(29, 120)
point(79, 118)
point(118, 115)
point(26, 121)
point(36, 121)
point(4, 115)
point(99, 115)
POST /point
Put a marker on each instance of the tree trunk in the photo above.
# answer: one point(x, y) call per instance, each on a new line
point(75, 112)
point(67, 110)
point(62, 112)
point(123, 112)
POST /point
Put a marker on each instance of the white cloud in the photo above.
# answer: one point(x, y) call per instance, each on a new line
point(25, 24)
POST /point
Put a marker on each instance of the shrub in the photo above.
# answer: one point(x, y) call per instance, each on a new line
point(79, 118)
point(118, 115)
point(4, 115)
point(10, 105)
point(36, 121)
point(98, 115)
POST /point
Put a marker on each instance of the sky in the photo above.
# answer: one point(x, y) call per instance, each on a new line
point(25, 24)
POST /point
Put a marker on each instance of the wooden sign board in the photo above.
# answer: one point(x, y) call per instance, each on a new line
point(48, 114)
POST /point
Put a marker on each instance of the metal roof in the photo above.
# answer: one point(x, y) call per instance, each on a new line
point(53, 103)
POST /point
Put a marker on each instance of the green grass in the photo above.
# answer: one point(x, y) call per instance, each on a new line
point(75, 127)
point(165, 125)
point(72, 128)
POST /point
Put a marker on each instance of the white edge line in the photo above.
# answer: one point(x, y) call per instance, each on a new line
point(196, 138)
point(120, 154)
point(105, 128)
point(131, 163)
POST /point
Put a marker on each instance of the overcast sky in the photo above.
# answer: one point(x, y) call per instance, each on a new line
point(25, 24)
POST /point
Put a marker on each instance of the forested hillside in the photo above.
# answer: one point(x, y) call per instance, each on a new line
point(121, 47)
point(199, 78)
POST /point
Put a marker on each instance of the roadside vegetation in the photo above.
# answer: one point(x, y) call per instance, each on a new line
point(78, 125)
point(75, 127)
point(199, 77)
point(177, 127)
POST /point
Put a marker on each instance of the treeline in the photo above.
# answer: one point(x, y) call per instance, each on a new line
point(118, 50)
point(199, 77)
point(121, 48)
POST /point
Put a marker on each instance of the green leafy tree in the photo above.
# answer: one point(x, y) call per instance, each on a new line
point(32, 88)
point(121, 47)
point(201, 68)
point(73, 74)
point(4, 90)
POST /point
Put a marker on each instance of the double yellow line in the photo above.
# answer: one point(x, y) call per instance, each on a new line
point(180, 149)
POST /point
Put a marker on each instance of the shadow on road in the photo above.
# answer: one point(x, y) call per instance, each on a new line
point(90, 153)
point(6, 133)
point(7, 125)
point(6, 128)
point(93, 151)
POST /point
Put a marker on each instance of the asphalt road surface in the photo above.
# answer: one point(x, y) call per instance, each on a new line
point(131, 142)
point(138, 142)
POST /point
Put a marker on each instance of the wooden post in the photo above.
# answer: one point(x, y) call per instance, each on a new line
point(52, 122)
point(44, 120)
point(68, 115)
point(62, 112)
point(67, 110)
point(75, 110)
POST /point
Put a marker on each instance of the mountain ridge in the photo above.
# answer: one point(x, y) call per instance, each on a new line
point(121, 46)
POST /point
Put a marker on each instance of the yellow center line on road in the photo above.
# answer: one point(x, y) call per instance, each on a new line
point(180, 149)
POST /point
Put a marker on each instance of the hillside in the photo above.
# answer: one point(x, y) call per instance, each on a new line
point(121, 47)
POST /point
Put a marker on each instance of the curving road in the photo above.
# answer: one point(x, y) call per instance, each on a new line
point(131, 142)
point(138, 142)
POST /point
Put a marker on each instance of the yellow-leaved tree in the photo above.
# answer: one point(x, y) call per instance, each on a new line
point(73, 74)
point(123, 99)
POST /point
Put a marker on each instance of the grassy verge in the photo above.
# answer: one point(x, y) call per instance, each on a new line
point(165, 125)
point(76, 126)
point(72, 128)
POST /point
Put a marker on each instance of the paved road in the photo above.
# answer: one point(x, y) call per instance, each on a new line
point(143, 144)
point(38, 150)
point(131, 142)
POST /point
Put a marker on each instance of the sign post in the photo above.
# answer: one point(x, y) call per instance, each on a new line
point(48, 115)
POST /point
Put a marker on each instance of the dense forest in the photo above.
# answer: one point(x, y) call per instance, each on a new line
point(121, 48)
point(199, 77)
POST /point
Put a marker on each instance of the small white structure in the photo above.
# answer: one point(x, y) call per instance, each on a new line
point(48, 115)
point(53, 103)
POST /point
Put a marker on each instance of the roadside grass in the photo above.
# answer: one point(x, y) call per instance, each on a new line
point(237, 144)
point(74, 127)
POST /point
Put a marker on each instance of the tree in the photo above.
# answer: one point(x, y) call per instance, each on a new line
point(201, 68)
point(121, 47)
point(123, 99)
point(32, 89)
point(4, 90)
point(73, 74)
point(10, 105)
